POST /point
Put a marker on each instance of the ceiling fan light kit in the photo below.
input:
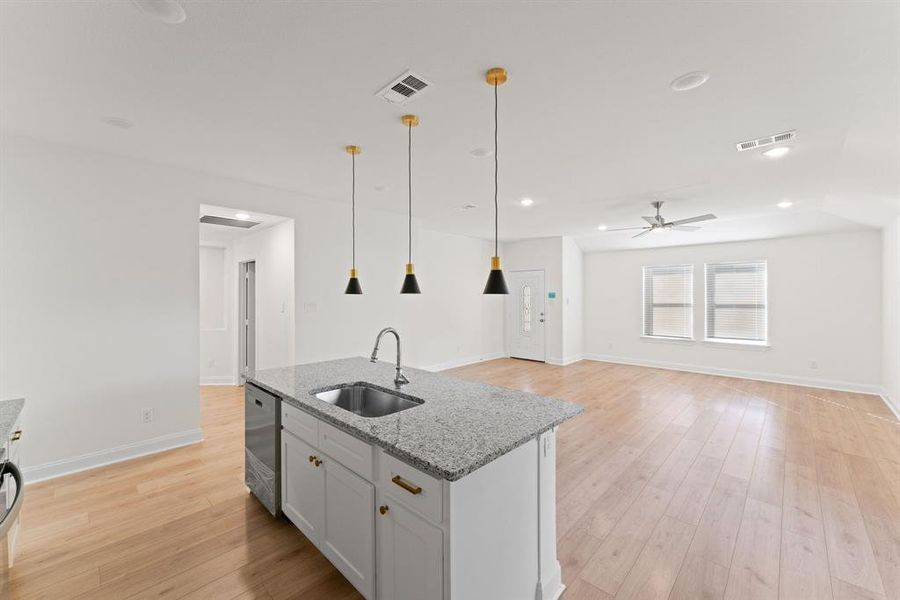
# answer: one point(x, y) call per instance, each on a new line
point(658, 223)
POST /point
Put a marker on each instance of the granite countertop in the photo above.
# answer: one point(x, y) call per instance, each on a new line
point(460, 427)
point(9, 412)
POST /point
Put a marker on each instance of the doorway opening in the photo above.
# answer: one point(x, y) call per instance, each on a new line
point(246, 297)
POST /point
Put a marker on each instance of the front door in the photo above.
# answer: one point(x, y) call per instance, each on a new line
point(525, 315)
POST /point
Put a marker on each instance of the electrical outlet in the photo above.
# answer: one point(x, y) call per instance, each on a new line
point(146, 415)
point(813, 364)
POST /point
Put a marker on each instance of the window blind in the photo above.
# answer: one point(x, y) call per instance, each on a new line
point(668, 301)
point(736, 306)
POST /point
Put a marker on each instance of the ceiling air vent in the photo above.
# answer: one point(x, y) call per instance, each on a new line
point(778, 138)
point(405, 88)
point(213, 220)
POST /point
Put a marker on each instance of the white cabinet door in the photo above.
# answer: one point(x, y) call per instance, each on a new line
point(410, 555)
point(302, 486)
point(348, 536)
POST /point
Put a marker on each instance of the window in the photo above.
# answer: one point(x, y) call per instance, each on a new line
point(668, 303)
point(736, 302)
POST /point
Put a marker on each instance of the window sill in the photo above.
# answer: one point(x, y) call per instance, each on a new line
point(660, 338)
point(738, 343)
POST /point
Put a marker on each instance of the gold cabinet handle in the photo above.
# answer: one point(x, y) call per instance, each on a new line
point(409, 487)
point(383, 509)
point(318, 462)
point(312, 459)
point(16, 436)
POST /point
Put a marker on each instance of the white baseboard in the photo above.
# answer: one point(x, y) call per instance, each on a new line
point(828, 384)
point(564, 361)
point(892, 403)
point(100, 458)
point(218, 380)
point(462, 362)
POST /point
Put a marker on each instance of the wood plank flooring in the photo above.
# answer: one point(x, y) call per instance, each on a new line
point(670, 485)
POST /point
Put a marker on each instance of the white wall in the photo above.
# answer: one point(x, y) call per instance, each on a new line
point(891, 318)
point(100, 293)
point(273, 250)
point(98, 304)
point(216, 358)
point(824, 306)
point(573, 300)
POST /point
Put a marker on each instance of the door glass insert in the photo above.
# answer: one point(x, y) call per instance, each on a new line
point(526, 308)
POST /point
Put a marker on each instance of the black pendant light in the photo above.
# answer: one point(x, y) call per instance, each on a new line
point(353, 286)
point(410, 284)
point(496, 283)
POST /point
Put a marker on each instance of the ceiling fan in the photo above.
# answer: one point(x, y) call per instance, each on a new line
point(658, 223)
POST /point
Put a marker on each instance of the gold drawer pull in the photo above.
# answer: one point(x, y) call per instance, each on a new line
point(312, 459)
point(383, 509)
point(16, 436)
point(412, 489)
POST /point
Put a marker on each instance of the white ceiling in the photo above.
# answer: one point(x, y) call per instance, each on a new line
point(272, 91)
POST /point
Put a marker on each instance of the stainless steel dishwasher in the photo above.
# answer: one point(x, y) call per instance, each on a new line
point(262, 446)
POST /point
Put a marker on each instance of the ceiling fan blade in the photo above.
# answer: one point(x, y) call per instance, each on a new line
point(645, 232)
point(685, 228)
point(707, 217)
point(626, 228)
point(651, 220)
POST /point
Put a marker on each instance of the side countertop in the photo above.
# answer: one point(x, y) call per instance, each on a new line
point(461, 425)
point(9, 413)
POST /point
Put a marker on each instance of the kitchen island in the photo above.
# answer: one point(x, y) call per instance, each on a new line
point(451, 497)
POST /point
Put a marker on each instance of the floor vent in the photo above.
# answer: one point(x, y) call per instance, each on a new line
point(213, 220)
point(778, 138)
point(405, 88)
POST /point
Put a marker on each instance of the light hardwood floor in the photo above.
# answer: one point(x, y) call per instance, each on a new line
point(671, 485)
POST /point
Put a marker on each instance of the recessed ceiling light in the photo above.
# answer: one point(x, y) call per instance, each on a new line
point(482, 152)
point(785, 204)
point(526, 202)
point(469, 206)
point(119, 122)
point(167, 11)
point(242, 216)
point(380, 188)
point(689, 81)
point(601, 227)
point(776, 152)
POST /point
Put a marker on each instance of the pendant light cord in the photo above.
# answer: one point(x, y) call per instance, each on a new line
point(353, 202)
point(496, 169)
point(409, 148)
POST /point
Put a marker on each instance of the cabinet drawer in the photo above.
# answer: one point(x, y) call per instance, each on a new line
point(351, 452)
point(300, 423)
point(420, 492)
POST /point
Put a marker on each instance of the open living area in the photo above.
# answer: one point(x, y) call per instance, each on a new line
point(478, 300)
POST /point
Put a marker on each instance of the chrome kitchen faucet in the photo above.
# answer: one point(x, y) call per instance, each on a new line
point(400, 378)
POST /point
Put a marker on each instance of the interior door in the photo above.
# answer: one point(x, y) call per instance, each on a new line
point(247, 319)
point(525, 315)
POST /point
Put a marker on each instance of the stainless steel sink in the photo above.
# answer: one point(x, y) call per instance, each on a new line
point(366, 400)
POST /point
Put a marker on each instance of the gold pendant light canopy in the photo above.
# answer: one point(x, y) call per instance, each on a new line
point(410, 283)
point(496, 283)
point(353, 286)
